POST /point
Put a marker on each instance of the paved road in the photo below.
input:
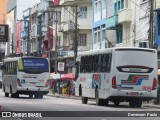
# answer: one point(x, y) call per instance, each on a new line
point(23, 104)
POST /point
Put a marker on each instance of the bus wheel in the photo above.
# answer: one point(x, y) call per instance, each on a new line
point(6, 94)
point(84, 100)
point(132, 104)
point(138, 103)
point(98, 100)
point(105, 102)
point(116, 103)
point(36, 96)
point(31, 95)
point(41, 96)
point(15, 95)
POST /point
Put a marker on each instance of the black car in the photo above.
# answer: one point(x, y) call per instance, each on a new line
point(0, 84)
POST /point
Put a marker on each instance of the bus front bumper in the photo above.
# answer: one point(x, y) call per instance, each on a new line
point(33, 89)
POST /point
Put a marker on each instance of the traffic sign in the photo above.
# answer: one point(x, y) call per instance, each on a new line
point(4, 33)
point(60, 66)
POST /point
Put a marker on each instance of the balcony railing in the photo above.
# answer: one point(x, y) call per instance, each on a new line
point(72, 2)
point(124, 15)
point(24, 34)
point(111, 22)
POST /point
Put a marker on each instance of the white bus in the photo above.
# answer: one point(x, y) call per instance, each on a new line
point(1, 64)
point(25, 75)
point(117, 75)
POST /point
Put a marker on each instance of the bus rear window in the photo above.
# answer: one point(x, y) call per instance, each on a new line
point(33, 65)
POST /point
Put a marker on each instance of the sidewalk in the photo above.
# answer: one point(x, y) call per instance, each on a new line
point(78, 98)
point(63, 96)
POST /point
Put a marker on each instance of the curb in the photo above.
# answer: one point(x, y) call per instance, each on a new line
point(75, 98)
point(78, 98)
point(153, 106)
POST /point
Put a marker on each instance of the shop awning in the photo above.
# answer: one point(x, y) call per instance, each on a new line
point(69, 76)
point(56, 76)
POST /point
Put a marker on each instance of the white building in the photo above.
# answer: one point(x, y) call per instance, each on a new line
point(15, 10)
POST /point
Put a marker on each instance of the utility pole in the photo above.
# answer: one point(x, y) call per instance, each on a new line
point(12, 44)
point(56, 21)
point(75, 40)
point(40, 34)
point(134, 30)
point(49, 56)
point(151, 25)
point(28, 38)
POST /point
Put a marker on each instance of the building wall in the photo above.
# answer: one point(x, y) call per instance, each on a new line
point(84, 25)
point(3, 11)
point(101, 10)
point(18, 37)
point(15, 9)
point(136, 30)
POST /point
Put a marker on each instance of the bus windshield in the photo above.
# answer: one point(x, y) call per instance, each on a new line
point(33, 65)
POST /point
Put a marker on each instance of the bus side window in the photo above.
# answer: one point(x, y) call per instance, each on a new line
point(87, 64)
point(94, 58)
point(81, 65)
point(99, 63)
point(107, 62)
point(104, 63)
point(84, 65)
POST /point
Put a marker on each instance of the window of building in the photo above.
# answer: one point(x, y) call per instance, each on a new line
point(119, 35)
point(97, 6)
point(103, 4)
point(103, 32)
point(95, 38)
point(99, 38)
point(126, 4)
point(122, 4)
point(115, 8)
point(82, 39)
point(119, 5)
point(58, 41)
point(83, 12)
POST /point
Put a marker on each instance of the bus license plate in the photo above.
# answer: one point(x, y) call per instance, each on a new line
point(133, 93)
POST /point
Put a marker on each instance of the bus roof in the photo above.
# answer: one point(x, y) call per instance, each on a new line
point(101, 51)
point(17, 58)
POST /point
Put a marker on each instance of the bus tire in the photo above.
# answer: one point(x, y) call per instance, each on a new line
point(36, 96)
point(80, 91)
point(84, 100)
point(116, 103)
point(41, 96)
point(132, 104)
point(31, 95)
point(6, 94)
point(98, 100)
point(105, 102)
point(138, 103)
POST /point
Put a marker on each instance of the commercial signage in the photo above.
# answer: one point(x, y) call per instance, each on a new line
point(4, 33)
point(60, 66)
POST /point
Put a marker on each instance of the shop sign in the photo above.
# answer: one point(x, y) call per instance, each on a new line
point(60, 66)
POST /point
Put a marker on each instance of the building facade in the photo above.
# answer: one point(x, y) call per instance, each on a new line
point(66, 29)
point(157, 24)
point(3, 14)
point(101, 37)
point(15, 10)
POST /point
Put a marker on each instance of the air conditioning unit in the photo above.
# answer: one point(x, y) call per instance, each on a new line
point(144, 44)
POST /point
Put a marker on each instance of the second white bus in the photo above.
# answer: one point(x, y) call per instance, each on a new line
point(117, 75)
point(25, 75)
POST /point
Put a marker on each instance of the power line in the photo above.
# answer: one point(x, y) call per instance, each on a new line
point(138, 6)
